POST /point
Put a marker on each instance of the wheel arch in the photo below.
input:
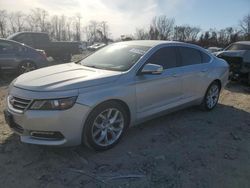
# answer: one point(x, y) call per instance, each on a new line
point(121, 102)
point(26, 60)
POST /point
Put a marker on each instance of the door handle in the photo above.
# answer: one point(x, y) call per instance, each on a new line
point(204, 70)
point(175, 75)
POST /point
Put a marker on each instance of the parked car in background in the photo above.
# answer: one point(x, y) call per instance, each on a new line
point(60, 51)
point(214, 49)
point(95, 100)
point(17, 57)
point(238, 57)
point(96, 46)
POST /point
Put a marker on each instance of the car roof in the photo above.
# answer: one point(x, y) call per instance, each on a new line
point(12, 41)
point(150, 43)
point(243, 42)
point(15, 42)
point(27, 32)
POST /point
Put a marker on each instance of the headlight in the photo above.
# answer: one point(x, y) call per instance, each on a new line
point(54, 104)
point(11, 85)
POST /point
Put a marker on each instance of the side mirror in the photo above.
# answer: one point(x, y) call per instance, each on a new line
point(152, 69)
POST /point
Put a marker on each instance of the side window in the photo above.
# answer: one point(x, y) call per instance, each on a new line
point(205, 58)
point(165, 57)
point(6, 48)
point(40, 39)
point(26, 39)
point(190, 56)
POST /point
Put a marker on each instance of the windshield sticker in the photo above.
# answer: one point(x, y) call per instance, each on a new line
point(137, 51)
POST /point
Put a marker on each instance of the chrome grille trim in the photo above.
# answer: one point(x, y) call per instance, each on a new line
point(17, 104)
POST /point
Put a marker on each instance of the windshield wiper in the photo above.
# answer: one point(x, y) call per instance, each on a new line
point(91, 66)
point(103, 68)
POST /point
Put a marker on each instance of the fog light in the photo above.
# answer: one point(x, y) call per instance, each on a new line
point(47, 135)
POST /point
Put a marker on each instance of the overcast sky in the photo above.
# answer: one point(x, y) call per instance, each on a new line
point(124, 16)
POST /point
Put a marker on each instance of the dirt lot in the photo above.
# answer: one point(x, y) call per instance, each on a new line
point(189, 148)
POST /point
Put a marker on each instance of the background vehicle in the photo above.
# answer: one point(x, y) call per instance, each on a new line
point(96, 46)
point(214, 49)
point(238, 57)
point(96, 100)
point(60, 51)
point(18, 57)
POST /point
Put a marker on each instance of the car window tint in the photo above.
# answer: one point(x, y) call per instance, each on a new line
point(40, 38)
point(165, 57)
point(26, 39)
point(205, 58)
point(6, 48)
point(190, 56)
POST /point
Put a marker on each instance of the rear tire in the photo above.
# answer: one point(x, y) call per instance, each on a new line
point(67, 58)
point(105, 126)
point(26, 66)
point(211, 97)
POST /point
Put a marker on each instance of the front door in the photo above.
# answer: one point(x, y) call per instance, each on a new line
point(155, 92)
point(8, 59)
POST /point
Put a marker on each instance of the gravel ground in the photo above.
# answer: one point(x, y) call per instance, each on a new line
point(185, 149)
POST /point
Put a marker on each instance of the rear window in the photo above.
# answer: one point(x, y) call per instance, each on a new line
point(6, 48)
point(190, 56)
point(24, 38)
point(238, 47)
point(205, 58)
point(40, 38)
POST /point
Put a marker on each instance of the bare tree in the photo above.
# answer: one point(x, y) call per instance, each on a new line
point(163, 27)
point(179, 33)
point(77, 24)
point(186, 33)
point(141, 34)
point(104, 31)
point(245, 24)
point(16, 21)
point(3, 23)
point(38, 20)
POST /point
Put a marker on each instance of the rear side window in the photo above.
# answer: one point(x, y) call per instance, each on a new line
point(205, 58)
point(40, 38)
point(165, 57)
point(6, 48)
point(190, 56)
point(24, 38)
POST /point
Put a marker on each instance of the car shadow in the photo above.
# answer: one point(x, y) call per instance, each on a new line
point(238, 87)
point(6, 78)
point(191, 143)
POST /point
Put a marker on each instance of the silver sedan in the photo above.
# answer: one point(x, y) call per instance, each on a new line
point(95, 100)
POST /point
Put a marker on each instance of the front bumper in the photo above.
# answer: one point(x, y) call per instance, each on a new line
point(69, 123)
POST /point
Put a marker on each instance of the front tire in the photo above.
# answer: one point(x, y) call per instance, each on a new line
point(105, 126)
point(212, 96)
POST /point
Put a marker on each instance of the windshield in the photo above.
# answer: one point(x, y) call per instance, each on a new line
point(238, 47)
point(117, 57)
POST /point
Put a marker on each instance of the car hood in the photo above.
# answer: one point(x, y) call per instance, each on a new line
point(64, 77)
point(231, 53)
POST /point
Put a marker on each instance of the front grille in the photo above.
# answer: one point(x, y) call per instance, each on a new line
point(18, 104)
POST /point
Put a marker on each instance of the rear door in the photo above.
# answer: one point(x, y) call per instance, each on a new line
point(8, 55)
point(25, 38)
point(155, 92)
point(194, 72)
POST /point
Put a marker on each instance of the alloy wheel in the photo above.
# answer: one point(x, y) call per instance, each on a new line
point(108, 127)
point(212, 96)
